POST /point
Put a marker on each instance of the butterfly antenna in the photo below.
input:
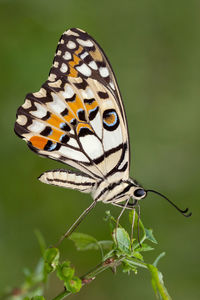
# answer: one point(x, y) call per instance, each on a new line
point(183, 212)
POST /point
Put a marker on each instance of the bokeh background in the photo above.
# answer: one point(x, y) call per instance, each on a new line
point(154, 48)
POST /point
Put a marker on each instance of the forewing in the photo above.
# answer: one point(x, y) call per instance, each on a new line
point(77, 116)
point(78, 54)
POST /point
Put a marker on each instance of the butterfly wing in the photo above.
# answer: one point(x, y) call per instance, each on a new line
point(77, 117)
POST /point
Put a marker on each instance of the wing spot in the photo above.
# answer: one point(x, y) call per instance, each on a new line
point(40, 112)
point(27, 104)
point(112, 85)
point(64, 68)
point(73, 122)
point(59, 52)
point(57, 105)
point(93, 65)
point(71, 45)
point(81, 114)
point(103, 71)
point(64, 112)
point(67, 55)
point(93, 112)
point(47, 131)
point(103, 95)
point(38, 142)
point(84, 55)
point(64, 138)
point(41, 93)
point(110, 119)
point(86, 43)
point(68, 92)
point(21, 120)
point(55, 64)
point(50, 146)
point(52, 77)
point(70, 32)
point(83, 69)
point(83, 131)
point(36, 126)
point(65, 127)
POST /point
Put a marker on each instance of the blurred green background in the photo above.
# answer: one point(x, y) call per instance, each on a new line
point(154, 48)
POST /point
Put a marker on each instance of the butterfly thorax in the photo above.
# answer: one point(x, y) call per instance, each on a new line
point(114, 192)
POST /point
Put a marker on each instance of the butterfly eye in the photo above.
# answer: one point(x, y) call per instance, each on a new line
point(139, 193)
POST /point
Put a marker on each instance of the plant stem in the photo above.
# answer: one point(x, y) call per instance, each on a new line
point(112, 262)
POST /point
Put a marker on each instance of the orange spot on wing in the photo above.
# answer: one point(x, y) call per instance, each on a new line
point(79, 50)
point(73, 72)
point(69, 116)
point(72, 63)
point(56, 134)
point(83, 125)
point(91, 106)
point(110, 119)
point(76, 105)
point(38, 142)
point(54, 121)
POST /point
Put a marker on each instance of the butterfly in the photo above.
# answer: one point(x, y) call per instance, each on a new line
point(78, 118)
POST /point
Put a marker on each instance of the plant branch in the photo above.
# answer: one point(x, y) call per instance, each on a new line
point(112, 262)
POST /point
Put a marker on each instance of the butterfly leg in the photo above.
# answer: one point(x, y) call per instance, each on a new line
point(138, 225)
point(77, 222)
point(132, 227)
point(73, 180)
point(117, 222)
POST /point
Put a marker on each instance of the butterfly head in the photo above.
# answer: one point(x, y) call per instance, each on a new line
point(139, 193)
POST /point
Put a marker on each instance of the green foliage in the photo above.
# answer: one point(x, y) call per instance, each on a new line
point(51, 259)
point(123, 249)
point(66, 273)
point(84, 241)
point(73, 285)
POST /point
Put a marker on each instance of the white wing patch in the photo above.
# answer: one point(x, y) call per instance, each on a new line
point(73, 154)
point(92, 146)
point(112, 139)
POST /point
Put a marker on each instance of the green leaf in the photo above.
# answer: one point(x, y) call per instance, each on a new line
point(144, 247)
point(135, 263)
point(129, 267)
point(138, 255)
point(65, 272)
point(41, 240)
point(74, 285)
point(84, 241)
point(38, 298)
point(36, 276)
point(150, 236)
point(141, 226)
point(111, 220)
point(51, 259)
point(158, 283)
point(106, 245)
point(122, 240)
point(158, 258)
